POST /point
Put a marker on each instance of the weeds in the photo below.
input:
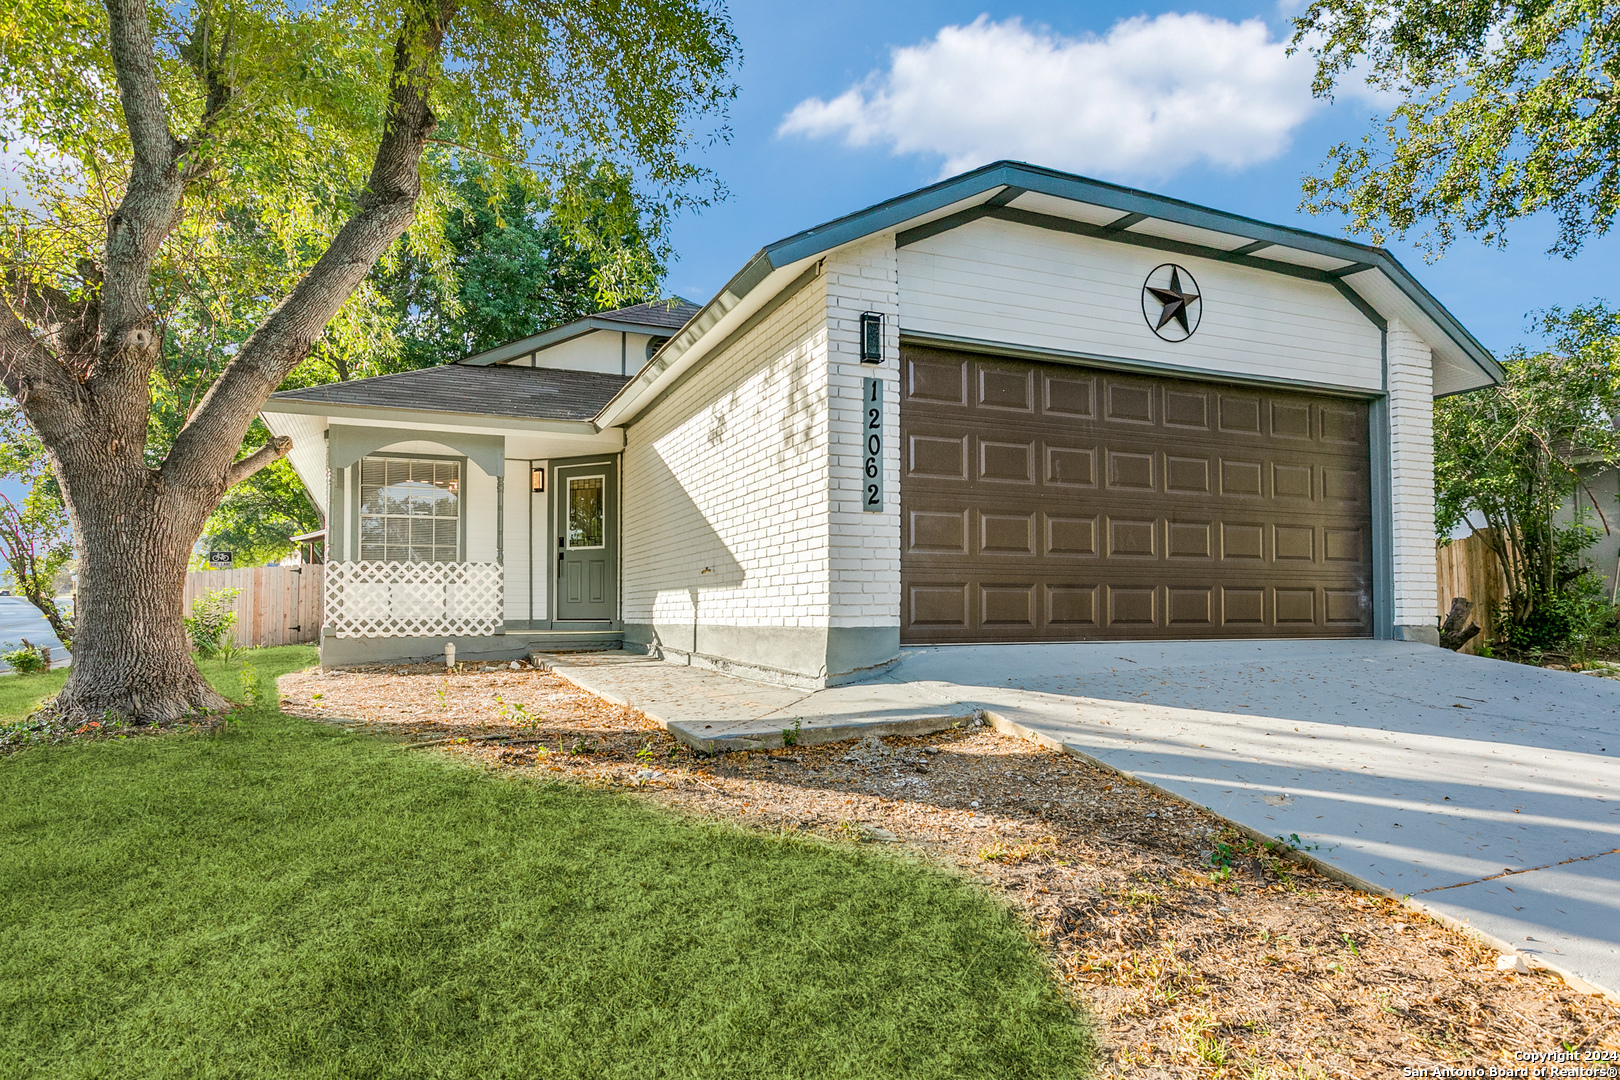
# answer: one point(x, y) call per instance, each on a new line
point(1198, 1031)
point(1002, 852)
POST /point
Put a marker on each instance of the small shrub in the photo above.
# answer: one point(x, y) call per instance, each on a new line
point(212, 621)
point(26, 660)
point(1575, 622)
point(252, 685)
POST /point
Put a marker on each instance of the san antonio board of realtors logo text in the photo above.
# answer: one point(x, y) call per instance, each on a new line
point(1170, 302)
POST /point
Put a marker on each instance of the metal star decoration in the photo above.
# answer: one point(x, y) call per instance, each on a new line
point(1174, 302)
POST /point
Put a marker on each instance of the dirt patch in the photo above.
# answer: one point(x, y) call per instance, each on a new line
point(1199, 953)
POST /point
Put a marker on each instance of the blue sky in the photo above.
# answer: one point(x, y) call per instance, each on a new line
point(1177, 67)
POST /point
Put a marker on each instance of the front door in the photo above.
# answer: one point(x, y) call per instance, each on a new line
point(585, 509)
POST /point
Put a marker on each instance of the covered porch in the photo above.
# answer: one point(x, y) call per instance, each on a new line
point(495, 533)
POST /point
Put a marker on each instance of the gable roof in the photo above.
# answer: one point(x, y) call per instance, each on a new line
point(1370, 278)
point(522, 393)
point(660, 318)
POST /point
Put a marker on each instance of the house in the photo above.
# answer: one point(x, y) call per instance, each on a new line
point(1014, 406)
point(1596, 504)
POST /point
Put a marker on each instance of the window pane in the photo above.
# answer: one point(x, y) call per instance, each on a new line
point(409, 510)
point(585, 512)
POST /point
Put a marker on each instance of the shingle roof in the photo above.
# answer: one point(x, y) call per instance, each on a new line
point(661, 318)
point(670, 314)
point(498, 390)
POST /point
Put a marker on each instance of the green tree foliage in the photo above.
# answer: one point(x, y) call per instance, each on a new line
point(257, 519)
point(35, 541)
point(515, 263)
point(1504, 110)
point(1513, 454)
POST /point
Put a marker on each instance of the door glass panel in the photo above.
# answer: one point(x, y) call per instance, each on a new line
point(585, 512)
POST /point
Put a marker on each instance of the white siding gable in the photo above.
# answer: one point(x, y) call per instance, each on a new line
point(1001, 282)
point(611, 352)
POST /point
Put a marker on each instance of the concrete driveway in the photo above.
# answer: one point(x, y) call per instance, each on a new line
point(1488, 792)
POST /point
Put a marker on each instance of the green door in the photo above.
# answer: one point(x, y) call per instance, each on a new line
point(585, 510)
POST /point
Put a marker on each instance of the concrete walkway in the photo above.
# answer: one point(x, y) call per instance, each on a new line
point(1488, 792)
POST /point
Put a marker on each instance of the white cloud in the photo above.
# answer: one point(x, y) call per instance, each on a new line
point(1148, 98)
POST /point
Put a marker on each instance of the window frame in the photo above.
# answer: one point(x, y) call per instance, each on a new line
point(355, 515)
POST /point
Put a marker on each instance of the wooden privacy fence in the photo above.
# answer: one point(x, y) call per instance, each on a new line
point(1469, 568)
point(278, 605)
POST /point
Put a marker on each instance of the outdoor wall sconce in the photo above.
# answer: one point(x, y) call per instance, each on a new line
point(871, 337)
point(537, 479)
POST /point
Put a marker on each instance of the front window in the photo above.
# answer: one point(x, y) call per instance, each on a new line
point(585, 512)
point(410, 510)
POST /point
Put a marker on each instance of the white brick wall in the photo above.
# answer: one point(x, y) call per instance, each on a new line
point(865, 557)
point(1411, 424)
point(730, 473)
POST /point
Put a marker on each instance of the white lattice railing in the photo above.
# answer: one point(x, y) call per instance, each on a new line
point(413, 599)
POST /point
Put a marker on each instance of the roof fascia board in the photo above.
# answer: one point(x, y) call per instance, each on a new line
point(674, 356)
point(892, 213)
point(1129, 200)
point(317, 494)
point(424, 417)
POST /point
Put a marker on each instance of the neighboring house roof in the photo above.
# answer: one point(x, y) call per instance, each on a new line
point(1370, 278)
point(660, 318)
point(518, 392)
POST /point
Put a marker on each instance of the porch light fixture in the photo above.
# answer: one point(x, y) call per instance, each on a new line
point(537, 479)
point(871, 337)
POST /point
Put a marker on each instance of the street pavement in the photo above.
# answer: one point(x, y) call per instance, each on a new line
point(19, 619)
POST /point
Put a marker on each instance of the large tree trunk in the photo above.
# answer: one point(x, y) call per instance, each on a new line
point(134, 538)
point(133, 552)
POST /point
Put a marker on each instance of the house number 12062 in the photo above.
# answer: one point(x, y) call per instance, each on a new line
point(872, 451)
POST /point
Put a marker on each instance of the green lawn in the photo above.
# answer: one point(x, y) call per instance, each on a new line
point(286, 899)
point(21, 694)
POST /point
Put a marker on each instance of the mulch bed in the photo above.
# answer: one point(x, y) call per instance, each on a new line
point(1198, 953)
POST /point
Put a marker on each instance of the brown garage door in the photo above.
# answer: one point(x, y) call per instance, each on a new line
point(1047, 502)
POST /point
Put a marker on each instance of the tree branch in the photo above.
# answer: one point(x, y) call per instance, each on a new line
point(31, 374)
point(211, 69)
point(385, 207)
point(272, 451)
point(58, 317)
point(150, 208)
